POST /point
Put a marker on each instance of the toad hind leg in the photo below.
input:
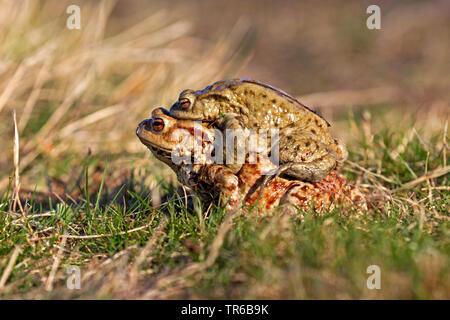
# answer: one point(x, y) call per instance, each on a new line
point(310, 171)
point(309, 159)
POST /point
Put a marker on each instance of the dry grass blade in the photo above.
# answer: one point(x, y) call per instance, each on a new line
point(51, 277)
point(429, 175)
point(159, 231)
point(16, 168)
point(95, 236)
point(220, 237)
point(14, 82)
point(369, 172)
point(16, 162)
point(32, 99)
point(90, 119)
point(9, 267)
point(193, 268)
point(80, 86)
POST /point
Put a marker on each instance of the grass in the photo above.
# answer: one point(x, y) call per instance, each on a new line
point(78, 188)
point(326, 256)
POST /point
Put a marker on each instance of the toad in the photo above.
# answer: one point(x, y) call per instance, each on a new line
point(306, 149)
point(175, 143)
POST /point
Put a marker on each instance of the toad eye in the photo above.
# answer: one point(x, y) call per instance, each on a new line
point(184, 103)
point(157, 124)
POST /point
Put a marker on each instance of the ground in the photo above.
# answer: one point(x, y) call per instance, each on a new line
point(78, 189)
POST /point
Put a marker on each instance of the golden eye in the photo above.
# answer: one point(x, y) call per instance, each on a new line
point(157, 124)
point(184, 103)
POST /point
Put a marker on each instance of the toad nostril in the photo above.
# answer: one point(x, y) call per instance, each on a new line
point(147, 124)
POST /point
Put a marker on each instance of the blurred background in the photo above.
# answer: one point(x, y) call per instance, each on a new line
point(79, 93)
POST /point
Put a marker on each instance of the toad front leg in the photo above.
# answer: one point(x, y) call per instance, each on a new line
point(234, 140)
point(223, 182)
